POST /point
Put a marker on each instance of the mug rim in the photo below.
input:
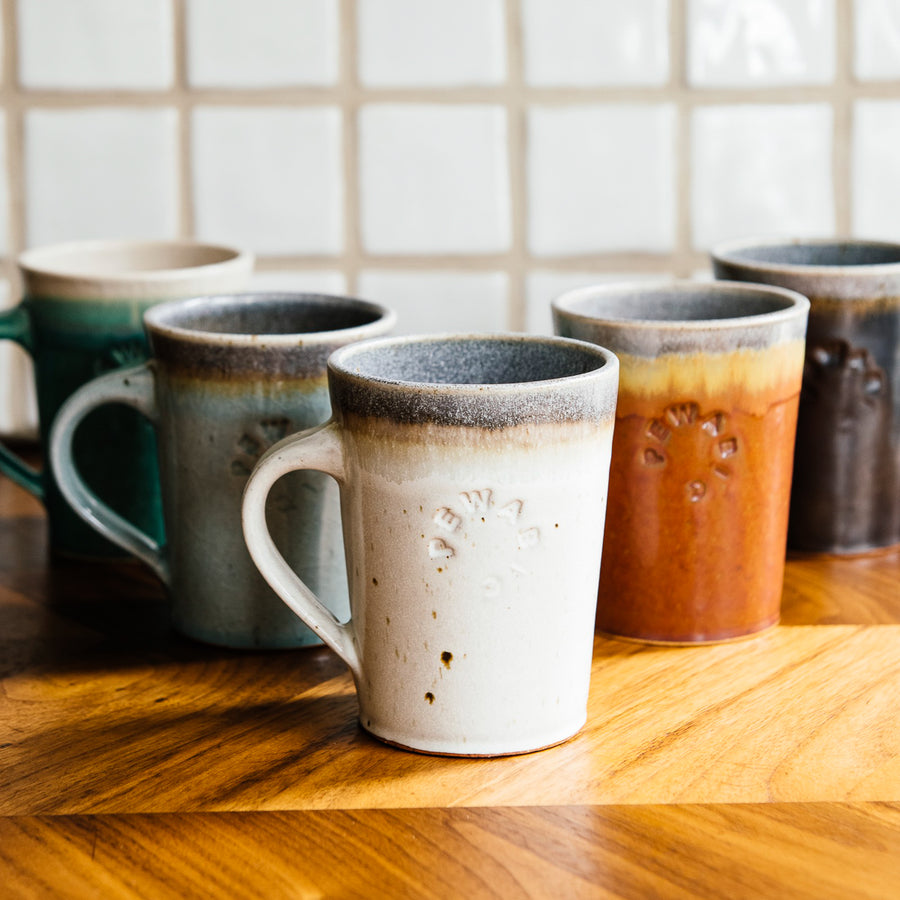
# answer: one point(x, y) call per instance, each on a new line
point(795, 304)
point(338, 361)
point(50, 261)
point(730, 252)
point(155, 319)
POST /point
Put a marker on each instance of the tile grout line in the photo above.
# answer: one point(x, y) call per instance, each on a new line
point(515, 96)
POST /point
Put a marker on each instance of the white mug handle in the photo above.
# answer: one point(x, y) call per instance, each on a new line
point(319, 448)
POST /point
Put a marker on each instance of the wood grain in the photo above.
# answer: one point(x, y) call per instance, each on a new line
point(739, 851)
point(799, 714)
point(134, 762)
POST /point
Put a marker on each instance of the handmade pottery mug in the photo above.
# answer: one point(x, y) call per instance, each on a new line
point(473, 474)
point(230, 375)
point(80, 317)
point(701, 462)
point(846, 492)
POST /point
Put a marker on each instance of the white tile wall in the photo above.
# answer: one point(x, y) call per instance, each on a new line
point(761, 169)
point(601, 179)
point(100, 172)
point(262, 43)
point(448, 152)
point(95, 44)
point(312, 281)
point(876, 33)
point(586, 42)
point(434, 179)
point(431, 43)
point(876, 175)
point(440, 301)
point(746, 43)
point(543, 286)
point(269, 178)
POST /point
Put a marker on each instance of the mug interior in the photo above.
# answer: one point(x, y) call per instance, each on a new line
point(103, 259)
point(255, 314)
point(694, 303)
point(470, 360)
point(815, 253)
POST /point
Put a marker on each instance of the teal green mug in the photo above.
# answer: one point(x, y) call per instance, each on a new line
point(81, 316)
point(229, 376)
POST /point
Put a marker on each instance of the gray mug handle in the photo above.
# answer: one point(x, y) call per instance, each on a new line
point(133, 387)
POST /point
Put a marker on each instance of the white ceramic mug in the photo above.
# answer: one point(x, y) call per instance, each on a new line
point(473, 473)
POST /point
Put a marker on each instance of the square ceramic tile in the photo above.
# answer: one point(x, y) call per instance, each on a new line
point(601, 179)
point(262, 43)
point(431, 43)
point(876, 45)
point(269, 178)
point(100, 173)
point(303, 281)
point(763, 169)
point(541, 288)
point(440, 301)
point(752, 43)
point(875, 170)
point(95, 44)
point(18, 405)
point(433, 179)
point(583, 42)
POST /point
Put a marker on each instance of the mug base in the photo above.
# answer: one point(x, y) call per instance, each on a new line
point(494, 754)
point(861, 553)
point(700, 642)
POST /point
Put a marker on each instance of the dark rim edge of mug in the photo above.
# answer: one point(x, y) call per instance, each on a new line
point(799, 304)
point(726, 252)
point(608, 368)
point(385, 318)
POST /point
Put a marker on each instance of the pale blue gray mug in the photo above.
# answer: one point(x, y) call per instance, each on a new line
point(229, 376)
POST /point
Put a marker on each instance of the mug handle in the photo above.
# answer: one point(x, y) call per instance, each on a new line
point(16, 326)
point(319, 448)
point(132, 387)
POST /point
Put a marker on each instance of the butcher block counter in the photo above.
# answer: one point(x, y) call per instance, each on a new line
point(136, 763)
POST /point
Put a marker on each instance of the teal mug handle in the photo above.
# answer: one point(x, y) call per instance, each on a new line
point(16, 326)
point(132, 387)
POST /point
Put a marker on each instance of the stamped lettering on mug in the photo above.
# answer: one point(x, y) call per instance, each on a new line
point(251, 445)
point(683, 437)
point(481, 505)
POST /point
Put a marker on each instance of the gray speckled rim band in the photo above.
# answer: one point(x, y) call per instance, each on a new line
point(290, 334)
point(653, 319)
point(478, 380)
point(819, 268)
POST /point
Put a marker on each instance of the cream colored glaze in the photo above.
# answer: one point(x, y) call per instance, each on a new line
point(473, 588)
point(749, 377)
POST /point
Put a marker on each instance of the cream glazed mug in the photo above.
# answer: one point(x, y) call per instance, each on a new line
point(473, 475)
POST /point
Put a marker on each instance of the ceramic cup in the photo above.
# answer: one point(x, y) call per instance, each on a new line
point(473, 474)
point(81, 316)
point(846, 493)
point(230, 376)
point(701, 462)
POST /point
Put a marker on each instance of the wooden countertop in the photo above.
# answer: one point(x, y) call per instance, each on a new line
point(136, 763)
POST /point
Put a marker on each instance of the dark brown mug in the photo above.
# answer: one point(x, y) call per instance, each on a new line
point(845, 497)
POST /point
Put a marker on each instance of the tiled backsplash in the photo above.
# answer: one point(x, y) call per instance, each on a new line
point(462, 160)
